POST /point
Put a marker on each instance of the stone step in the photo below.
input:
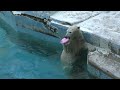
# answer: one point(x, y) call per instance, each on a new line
point(103, 31)
point(74, 17)
point(104, 64)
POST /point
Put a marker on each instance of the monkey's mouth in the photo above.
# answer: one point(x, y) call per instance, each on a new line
point(65, 40)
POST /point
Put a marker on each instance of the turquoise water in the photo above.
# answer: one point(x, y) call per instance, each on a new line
point(24, 57)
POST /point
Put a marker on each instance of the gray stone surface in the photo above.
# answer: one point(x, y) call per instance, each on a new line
point(97, 73)
point(36, 13)
point(74, 17)
point(105, 62)
point(103, 30)
point(107, 21)
point(109, 40)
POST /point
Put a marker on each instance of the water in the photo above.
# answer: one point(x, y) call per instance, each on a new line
point(26, 58)
point(23, 56)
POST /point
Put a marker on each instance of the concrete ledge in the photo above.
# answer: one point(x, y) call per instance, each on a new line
point(33, 25)
point(105, 64)
point(103, 31)
point(73, 17)
point(44, 14)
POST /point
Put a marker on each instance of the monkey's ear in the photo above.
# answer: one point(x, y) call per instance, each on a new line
point(78, 27)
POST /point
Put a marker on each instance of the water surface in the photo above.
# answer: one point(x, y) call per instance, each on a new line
point(26, 57)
